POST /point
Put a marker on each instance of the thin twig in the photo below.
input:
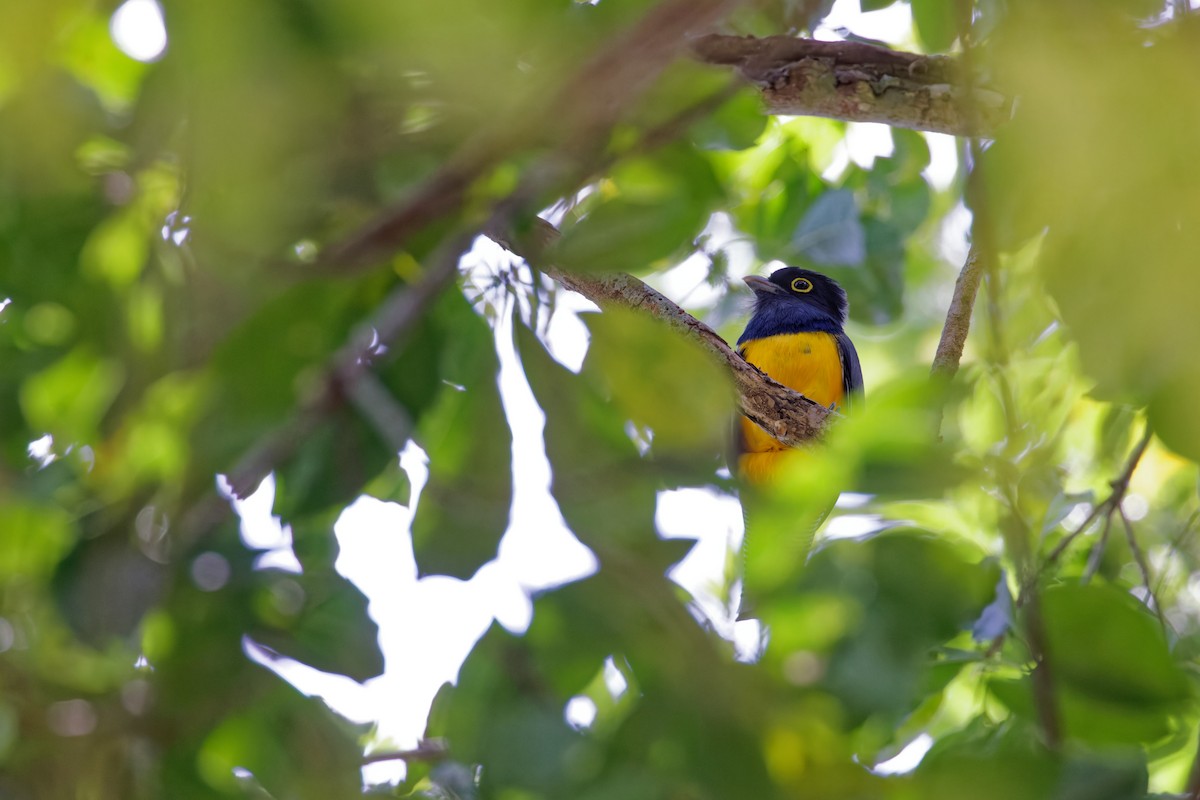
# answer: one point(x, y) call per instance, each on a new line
point(1120, 485)
point(394, 319)
point(1140, 558)
point(1021, 547)
point(958, 317)
point(427, 750)
point(1097, 553)
point(1188, 528)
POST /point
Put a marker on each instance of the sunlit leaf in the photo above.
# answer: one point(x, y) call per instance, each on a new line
point(662, 382)
point(69, 399)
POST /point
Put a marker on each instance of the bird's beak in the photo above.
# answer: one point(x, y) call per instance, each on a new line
point(761, 284)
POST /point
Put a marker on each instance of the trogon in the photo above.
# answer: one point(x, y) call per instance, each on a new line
point(796, 336)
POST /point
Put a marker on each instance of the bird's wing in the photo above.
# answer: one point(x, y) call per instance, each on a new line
point(852, 378)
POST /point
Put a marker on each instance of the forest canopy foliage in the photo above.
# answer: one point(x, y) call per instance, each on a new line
point(244, 258)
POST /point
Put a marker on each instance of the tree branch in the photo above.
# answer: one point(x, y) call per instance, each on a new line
point(427, 750)
point(858, 82)
point(579, 114)
point(958, 317)
point(621, 70)
point(787, 415)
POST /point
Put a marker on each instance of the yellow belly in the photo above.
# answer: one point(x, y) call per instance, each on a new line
point(807, 362)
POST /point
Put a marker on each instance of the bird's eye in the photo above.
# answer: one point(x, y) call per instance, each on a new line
point(802, 285)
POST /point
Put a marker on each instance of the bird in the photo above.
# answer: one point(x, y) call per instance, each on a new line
point(796, 335)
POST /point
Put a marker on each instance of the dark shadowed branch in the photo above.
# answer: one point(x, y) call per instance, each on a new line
point(578, 115)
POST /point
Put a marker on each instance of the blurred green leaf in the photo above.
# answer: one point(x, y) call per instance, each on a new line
point(288, 744)
point(116, 251)
point(1115, 680)
point(988, 761)
point(1131, 216)
point(628, 235)
point(654, 207)
point(736, 125)
point(320, 618)
point(898, 595)
point(464, 507)
point(108, 582)
point(831, 231)
point(936, 23)
point(661, 382)
point(69, 399)
point(1109, 645)
point(601, 484)
point(33, 539)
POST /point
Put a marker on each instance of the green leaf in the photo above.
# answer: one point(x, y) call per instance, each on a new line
point(108, 583)
point(662, 382)
point(1115, 680)
point(332, 466)
point(875, 608)
point(1108, 645)
point(653, 209)
point(628, 236)
point(831, 231)
point(291, 745)
point(604, 488)
point(33, 539)
point(116, 251)
point(264, 368)
point(876, 289)
point(988, 761)
point(464, 507)
point(1087, 718)
point(321, 619)
point(70, 398)
point(936, 23)
point(736, 125)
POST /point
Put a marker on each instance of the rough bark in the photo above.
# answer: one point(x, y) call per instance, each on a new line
point(787, 415)
point(859, 83)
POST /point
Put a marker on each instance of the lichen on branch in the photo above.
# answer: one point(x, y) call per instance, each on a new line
point(859, 83)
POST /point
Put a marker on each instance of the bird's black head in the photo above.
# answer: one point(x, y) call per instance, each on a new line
point(799, 290)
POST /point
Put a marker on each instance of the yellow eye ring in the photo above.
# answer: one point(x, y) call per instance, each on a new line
point(802, 285)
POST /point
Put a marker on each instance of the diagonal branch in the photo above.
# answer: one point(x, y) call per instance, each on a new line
point(859, 82)
point(1119, 484)
point(787, 415)
point(626, 66)
point(579, 115)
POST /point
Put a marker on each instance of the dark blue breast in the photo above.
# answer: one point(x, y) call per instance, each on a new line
point(775, 318)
